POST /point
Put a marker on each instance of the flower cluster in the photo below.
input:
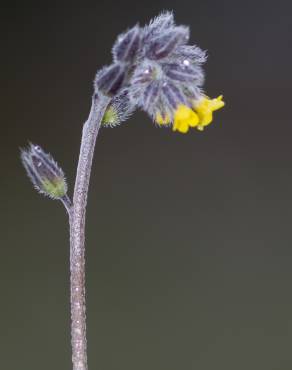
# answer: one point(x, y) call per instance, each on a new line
point(156, 70)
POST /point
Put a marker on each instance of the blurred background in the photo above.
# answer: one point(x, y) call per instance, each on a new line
point(189, 258)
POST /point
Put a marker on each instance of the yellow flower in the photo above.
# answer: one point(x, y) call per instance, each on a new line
point(162, 120)
point(199, 116)
point(184, 118)
point(205, 108)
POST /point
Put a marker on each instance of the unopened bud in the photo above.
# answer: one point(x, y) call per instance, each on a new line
point(159, 24)
point(119, 110)
point(173, 95)
point(46, 176)
point(110, 79)
point(184, 72)
point(161, 46)
point(127, 45)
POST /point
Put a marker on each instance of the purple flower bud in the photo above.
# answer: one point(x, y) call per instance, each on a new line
point(159, 24)
point(46, 176)
point(173, 95)
point(183, 72)
point(127, 45)
point(192, 53)
point(110, 79)
point(164, 44)
point(151, 94)
point(145, 72)
point(192, 92)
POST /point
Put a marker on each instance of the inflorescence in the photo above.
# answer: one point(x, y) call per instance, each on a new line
point(155, 70)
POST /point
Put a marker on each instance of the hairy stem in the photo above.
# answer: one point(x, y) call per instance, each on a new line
point(77, 232)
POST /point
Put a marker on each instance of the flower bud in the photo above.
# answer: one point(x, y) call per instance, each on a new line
point(110, 79)
point(173, 95)
point(151, 94)
point(184, 72)
point(119, 110)
point(191, 53)
point(159, 24)
point(127, 45)
point(164, 44)
point(46, 176)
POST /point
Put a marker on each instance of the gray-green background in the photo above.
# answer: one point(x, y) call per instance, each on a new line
point(189, 258)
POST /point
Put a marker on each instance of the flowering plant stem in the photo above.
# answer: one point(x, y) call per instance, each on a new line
point(154, 69)
point(77, 232)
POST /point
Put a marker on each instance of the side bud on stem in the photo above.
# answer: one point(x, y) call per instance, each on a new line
point(119, 110)
point(45, 174)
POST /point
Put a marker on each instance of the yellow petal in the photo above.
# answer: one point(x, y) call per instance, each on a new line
point(162, 120)
point(184, 118)
point(193, 119)
point(180, 126)
point(182, 112)
point(205, 108)
point(206, 118)
point(217, 103)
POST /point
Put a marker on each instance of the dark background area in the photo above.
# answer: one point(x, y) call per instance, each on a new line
point(189, 258)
